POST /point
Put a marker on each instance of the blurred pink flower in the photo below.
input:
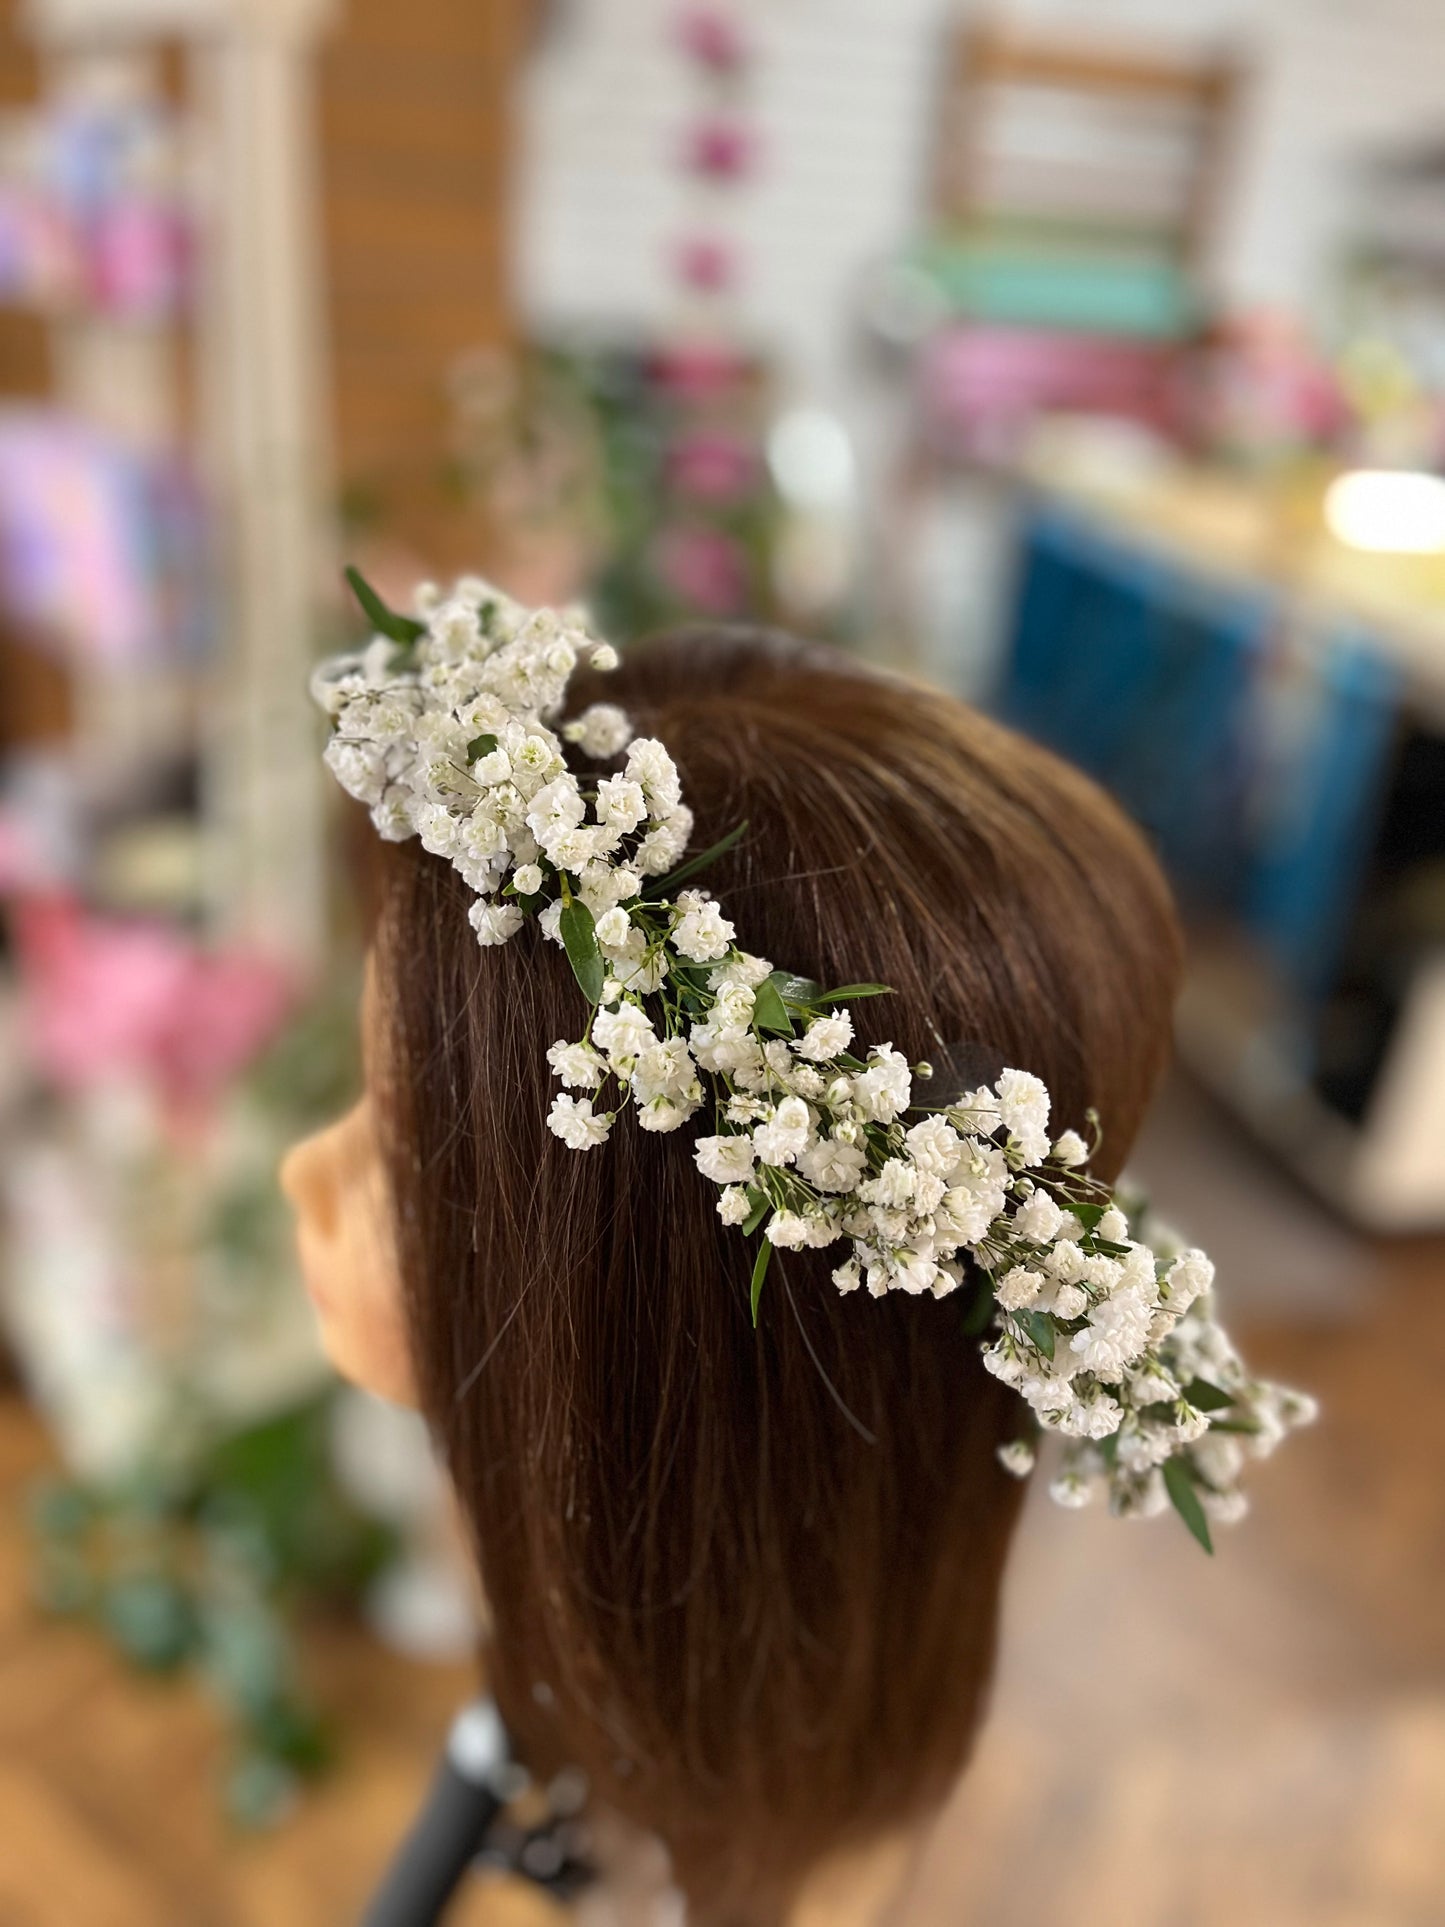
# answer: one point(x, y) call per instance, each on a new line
point(711, 465)
point(720, 147)
point(703, 568)
point(21, 861)
point(107, 998)
point(707, 265)
point(713, 38)
point(698, 370)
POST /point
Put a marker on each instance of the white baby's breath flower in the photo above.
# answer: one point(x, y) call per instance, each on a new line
point(549, 921)
point(893, 1186)
point(726, 1160)
point(649, 765)
point(556, 810)
point(825, 1037)
point(622, 1034)
point(662, 847)
point(1116, 1334)
point(883, 1087)
point(1219, 1459)
point(1189, 1277)
point(935, 1147)
point(1065, 1263)
point(741, 968)
point(1018, 1288)
point(603, 656)
point(1093, 1415)
point(613, 928)
point(602, 887)
point(494, 922)
point(601, 730)
point(527, 877)
point(732, 1205)
point(1037, 1219)
point(360, 768)
point(1071, 1489)
point(1070, 1301)
point(1023, 1103)
point(492, 768)
point(1017, 1457)
point(831, 1165)
point(733, 1008)
point(665, 1070)
point(620, 803)
point(910, 1271)
point(702, 933)
point(668, 1113)
point(1224, 1508)
point(847, 1277)
point(780, 1140)
point(1070, 1149)
point(788, 1229)
point(453, 626)
point(572, 1119)
point(578, 1065)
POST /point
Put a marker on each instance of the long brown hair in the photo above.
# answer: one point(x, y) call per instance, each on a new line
point(749, 1579)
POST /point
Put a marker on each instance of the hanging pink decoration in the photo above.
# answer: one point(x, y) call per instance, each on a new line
point(703, 567)
point(712, 465)
point(718, 148)
point(713, 38)
point(721, 148)
point(706, 265)
point(697, 370)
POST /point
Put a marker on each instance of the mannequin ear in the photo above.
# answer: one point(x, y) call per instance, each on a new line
point(336, 1182)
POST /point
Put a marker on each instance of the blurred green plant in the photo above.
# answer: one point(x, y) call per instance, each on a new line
point(206, 1554)
point(651, 460)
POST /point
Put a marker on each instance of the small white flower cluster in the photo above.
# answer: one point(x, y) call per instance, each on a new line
point(446, 727)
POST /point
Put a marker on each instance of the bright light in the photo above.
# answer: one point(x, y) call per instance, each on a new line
point(1388, 511)
point(811, 459)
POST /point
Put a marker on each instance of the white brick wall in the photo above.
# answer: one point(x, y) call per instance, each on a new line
point(844, 98)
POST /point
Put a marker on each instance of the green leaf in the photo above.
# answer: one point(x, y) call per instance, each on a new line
point(795, 990)
point(980, 1307)
point(480, 746)
point(579, 939)
point(1040, 1328)
point(667, 886)
point(1179, 1483)
point(1088, 1215)
point(760, 1209)
point(1205, 1397)
point(845, 993)
point(386, 622)
point(760, 1271)
point(768, 1010)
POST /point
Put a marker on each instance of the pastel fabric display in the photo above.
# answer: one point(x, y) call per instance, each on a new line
point(734, 1338)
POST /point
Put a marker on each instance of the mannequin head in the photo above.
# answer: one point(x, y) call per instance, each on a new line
point(748, 1579)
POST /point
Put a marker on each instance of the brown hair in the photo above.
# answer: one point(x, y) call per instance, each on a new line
point(748, 1579)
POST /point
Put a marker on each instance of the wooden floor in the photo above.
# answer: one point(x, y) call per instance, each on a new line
point(1252, 1741)
point(109, 1809)
point(1257, 1741)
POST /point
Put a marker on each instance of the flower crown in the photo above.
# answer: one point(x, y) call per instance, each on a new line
point(446, 726)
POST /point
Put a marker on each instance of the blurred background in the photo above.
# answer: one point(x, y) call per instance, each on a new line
point(1087, 360)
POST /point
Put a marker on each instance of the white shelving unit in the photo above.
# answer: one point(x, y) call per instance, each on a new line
point(261, 424)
